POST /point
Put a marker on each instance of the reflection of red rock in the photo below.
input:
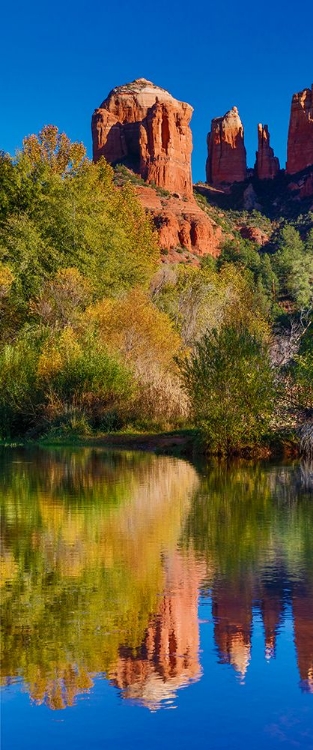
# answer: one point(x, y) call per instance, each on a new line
point(303, 629)
point(181, 223)
point(169, 656)
point(300, 135)
point(272, 610)
point(143, 126)
point(267, 164)
point(232, 612)
point(226, 161)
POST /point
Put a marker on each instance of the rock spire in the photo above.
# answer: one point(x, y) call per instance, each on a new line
point(267, 164)
point(300, 135)
point(226, 162)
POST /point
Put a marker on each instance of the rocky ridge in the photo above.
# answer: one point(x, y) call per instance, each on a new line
point(182, 226)
point(144, 128)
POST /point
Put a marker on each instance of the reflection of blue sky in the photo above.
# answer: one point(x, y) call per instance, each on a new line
point(220, 711)
point(253, 700)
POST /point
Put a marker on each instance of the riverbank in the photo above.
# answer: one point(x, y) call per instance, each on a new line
point(185, 443)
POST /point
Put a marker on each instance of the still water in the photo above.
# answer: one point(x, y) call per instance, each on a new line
point(149, 603)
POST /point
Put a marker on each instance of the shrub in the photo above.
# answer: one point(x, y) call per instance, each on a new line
point(20, 395)
point(230, 384)
point(81, 376)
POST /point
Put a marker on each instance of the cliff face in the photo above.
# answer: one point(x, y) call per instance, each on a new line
point(181, 224)
point(300, 135)
point(226, 162)
point(144, 127)
point(267, 164)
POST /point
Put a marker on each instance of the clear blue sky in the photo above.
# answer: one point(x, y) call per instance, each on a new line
point(59, 60)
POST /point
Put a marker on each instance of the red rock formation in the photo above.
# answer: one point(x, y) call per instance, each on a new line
point(165, 147)
point(300, 135)
point(255, 234)
point(303, 187)
point(226, 162)
point(181, 223)
point(144, 127)
point(267, 164)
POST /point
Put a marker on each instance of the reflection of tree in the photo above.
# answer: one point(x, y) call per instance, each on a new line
point(83, 561)
point(226, 519)
point(254, 526)
point(94, 579)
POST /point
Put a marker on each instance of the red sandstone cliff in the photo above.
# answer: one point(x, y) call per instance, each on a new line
point(267, 164)
point(226, 162)
point(181, 224)
point(144, 127)
point(300, 135)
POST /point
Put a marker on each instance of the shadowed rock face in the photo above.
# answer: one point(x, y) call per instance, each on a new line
point(226, 162)
point(267, 164)
point(300, 135)
point(144, 127)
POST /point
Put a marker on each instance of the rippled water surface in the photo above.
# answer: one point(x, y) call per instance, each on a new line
point(149, 603)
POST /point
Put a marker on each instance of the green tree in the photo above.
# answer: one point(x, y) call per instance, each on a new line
point(293, 264)
point(58, 210)
point(230, 383)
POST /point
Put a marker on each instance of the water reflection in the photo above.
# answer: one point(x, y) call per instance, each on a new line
point(168, 657)
point(104, 557)
point(254, 528)
point(84, 538)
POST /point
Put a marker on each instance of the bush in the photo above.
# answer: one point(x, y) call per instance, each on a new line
point(67, 384)
point(230, 384)
point(20, 394)
point(80, 376)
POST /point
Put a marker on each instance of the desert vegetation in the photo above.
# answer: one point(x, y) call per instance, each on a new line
point(97, 335)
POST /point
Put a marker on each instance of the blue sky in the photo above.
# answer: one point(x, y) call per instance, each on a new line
point(60, 60)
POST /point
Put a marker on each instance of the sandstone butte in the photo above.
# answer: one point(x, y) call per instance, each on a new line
point(300, 134)
point(226, 162)
point(142, 126)
point(267, 164)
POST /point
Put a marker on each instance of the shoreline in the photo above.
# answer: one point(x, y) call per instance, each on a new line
point(179, 443)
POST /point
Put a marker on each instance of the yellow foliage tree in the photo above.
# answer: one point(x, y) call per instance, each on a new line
point(148, 342)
